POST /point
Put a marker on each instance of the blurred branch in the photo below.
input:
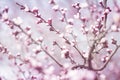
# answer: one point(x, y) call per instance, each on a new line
point(111, 55)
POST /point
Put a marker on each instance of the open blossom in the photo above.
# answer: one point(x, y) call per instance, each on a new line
point(69, 28)
point(5, 16)
point(61, 35)
point(114, 27)
point(26, 8)
point(18, 20)
point(77, 16)
point(63, 10)
point(109, 51)
point(83, 5)
point(55, 7)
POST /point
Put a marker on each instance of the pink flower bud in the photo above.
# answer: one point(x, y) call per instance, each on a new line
point(15, 33)
point(35, 11)
point(62, 19)
point(65, 53)
point(114, 41)
point(70, 21)
point(37, 50)
point(40, 39)
point(39, 21)
point(109, 51)
point(54, 42)
point(83, 19)
point(51, 2)
point(104, 42)
point(5, 10)
point(28, 28)
point(49, 22)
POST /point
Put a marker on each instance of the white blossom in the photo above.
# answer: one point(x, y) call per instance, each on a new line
point(61, 35)
point(69, 28)
point(56, 7)
point(70, 21)
point(50, 70)
point(26, 8)
point(4, 16)
point(18, 20)
point(34, 8)
point(113, 27)
point(83, 5)
point(77, 16)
